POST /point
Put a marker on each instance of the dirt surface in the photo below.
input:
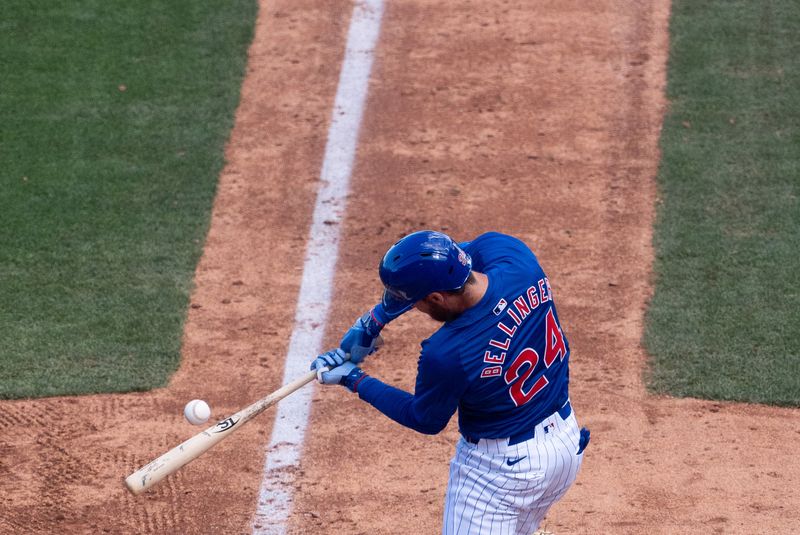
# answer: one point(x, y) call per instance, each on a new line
point(538, 120)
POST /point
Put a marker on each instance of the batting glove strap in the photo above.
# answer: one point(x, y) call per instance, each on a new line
point(379, 318)
point(371, 322)
point(351, 380)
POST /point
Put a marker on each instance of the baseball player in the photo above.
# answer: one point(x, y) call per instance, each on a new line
point(500, 358)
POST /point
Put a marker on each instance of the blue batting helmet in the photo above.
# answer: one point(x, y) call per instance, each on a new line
point(418, 264)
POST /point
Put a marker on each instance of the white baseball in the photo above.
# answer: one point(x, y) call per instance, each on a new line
point(197, 412)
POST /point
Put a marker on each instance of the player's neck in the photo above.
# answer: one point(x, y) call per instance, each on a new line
point(475, 292)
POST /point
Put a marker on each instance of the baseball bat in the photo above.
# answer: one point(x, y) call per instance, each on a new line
point(159, 468)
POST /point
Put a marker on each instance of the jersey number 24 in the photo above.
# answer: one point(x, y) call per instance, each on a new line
point(525, 363)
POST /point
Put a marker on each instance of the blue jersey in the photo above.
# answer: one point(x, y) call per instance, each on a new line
point(503, 363)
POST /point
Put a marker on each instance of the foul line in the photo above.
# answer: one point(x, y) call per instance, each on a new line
point(288, 433)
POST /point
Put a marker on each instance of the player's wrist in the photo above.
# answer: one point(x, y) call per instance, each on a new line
point(353, 379)
point(378, 319)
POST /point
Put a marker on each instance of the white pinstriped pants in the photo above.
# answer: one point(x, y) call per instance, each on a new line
point(487, 496)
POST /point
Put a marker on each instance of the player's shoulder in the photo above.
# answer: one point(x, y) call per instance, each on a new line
point(437, 343)
point(441, 350)
point(492, 247)
point(494, 239)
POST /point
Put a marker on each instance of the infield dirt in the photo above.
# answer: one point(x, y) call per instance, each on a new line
point(541, 122)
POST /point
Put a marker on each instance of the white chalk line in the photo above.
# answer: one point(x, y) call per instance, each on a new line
point(316, 289)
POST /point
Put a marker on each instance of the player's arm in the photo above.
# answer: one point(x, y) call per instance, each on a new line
point(438, 388)
point(439, 385)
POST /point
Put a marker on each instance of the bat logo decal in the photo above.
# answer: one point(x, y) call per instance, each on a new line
point(224, 425)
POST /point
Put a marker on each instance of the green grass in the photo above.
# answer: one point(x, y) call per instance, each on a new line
point(724, 322)
point(114, 118)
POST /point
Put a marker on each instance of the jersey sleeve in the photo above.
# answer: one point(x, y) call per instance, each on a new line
point(440, 383)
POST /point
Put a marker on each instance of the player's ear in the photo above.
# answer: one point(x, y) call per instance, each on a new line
point(435, 298)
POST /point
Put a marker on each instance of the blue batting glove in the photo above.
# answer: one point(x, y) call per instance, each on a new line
point(363, 338)
point(333, 369)
point(327, 361)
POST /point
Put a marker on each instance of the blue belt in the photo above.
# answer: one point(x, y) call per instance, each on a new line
point(564, 412)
